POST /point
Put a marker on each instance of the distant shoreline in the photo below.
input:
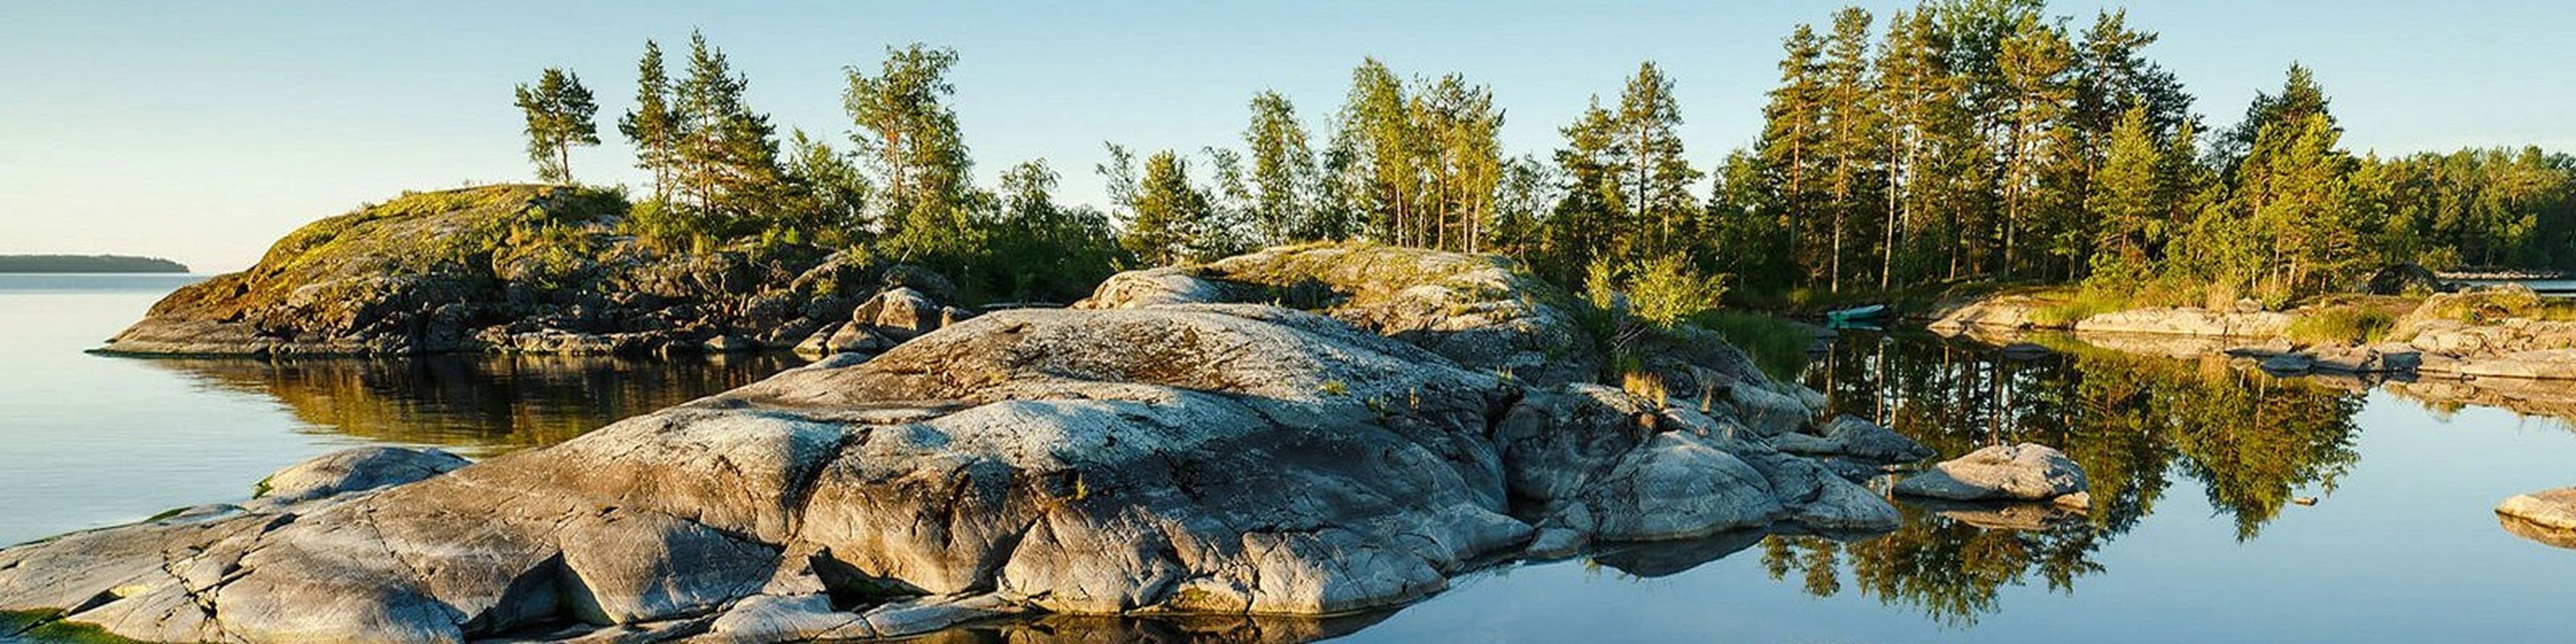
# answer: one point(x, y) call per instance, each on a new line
point(88, 264)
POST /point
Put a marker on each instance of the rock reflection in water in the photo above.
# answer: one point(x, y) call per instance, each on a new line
point(1178, 629)
point(2253, 442)
point(476, 404)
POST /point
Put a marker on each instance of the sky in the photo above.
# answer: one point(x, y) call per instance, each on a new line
point(202, 131)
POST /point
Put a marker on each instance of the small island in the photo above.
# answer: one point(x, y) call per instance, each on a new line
point(88, 264)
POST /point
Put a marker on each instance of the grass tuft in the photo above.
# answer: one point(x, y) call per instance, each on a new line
point(2341, 324)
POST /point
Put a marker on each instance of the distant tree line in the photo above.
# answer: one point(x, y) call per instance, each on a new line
point(1961, 140)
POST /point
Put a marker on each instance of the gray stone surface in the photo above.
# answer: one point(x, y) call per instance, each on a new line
point(2019, 472)
point(1177, 458)
point(352, 470)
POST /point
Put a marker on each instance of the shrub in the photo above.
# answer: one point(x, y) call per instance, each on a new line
point(2342, 324)
point(2084, 303)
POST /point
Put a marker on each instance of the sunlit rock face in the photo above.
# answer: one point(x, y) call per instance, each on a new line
point(518, 269)
point(1175, 458)
point(2546, 516)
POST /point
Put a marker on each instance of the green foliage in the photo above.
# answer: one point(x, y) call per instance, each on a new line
point(1166, 212)
point(912, 141)
point(1665, 291)
point(2080, 304)
point(2352, 324)
point(42, 626)
point(558, 113)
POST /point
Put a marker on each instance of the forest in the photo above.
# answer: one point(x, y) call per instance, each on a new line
point(1958, 142)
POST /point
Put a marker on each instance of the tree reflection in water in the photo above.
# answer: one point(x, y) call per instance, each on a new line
point(2252, 442)
point(475, 404)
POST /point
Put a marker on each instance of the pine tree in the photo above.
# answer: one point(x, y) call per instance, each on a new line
point(2127, 200)
point(558, 111)
point(1283, 170)
point(1653, 172)
point(729, 153)
point(1460, 157)
point(1166, 210)
point(1373, 149)
point(652, 126)
point(2299, 98)
point(1792, 135)
point(1583, 228)
point(2033, 63)
point(826, 194)
point(910, 137)
point(1854, 127)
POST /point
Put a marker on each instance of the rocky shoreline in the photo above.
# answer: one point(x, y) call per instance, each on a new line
point(2433, 339)
point(519, 269)
point(1175, 445)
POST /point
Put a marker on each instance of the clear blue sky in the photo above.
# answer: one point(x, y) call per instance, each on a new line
point(201, 131)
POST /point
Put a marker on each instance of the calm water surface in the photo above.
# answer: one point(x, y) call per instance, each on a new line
point(2197, 469)
point(92, 440)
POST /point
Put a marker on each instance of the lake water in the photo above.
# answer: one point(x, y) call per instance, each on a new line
point(2197, 532)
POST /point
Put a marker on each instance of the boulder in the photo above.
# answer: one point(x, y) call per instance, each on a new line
point(353, 470)
point(2363, 360)
point(1194, 458)
point(2554, 509)
point(2402, 279)
point(2018, 472)
point(1854, 437)
point(900, 314)
point(1999, 311)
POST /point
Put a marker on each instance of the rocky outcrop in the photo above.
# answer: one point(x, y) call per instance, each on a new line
point(1142, 459)
point(1478, 310)
point(886, 319)
point(354, 470)
point(2547, 516)
point(2554, 509)
point(2495, 332)
point(2018, 472)
point(1853, 437)
point(2187, 321)
point(507, 268)
point(2004, 311)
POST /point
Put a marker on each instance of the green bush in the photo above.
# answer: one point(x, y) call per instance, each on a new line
point(2342, 324)
point(2081, 304)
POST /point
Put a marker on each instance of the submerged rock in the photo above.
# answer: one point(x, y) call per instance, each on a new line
point(1186, 458)
point(2018, 472)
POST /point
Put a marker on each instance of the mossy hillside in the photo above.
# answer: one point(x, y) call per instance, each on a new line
point(431, 271)
point(1363, 274)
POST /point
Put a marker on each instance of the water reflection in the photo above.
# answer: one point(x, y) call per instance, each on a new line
point(478, 405)
point(2251, 441)
point(1178, 629)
